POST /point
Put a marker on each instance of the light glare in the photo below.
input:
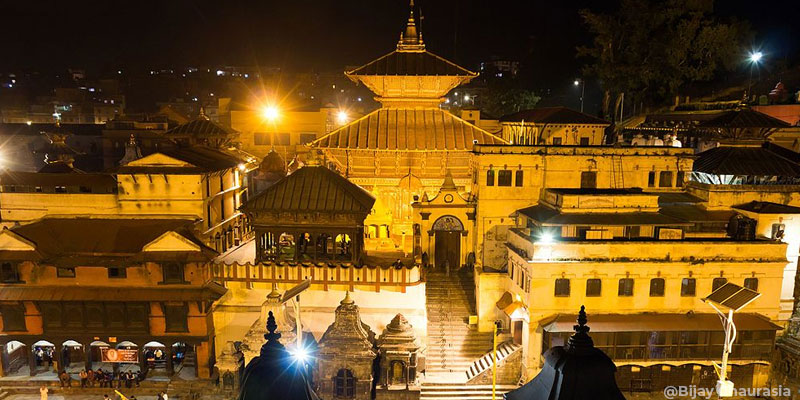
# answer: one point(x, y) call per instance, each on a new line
point(756, 56)
point(270, 113)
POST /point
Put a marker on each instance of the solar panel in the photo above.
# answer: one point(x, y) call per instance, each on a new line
point(732, 296)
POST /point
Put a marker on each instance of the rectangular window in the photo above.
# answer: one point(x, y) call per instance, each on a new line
point(751, 283)
point(625, 287)
point(9, 272)
point(65, 272)
point(306, 138)
point(283, 138)
point(562, 287)
point(593, 287)
point(173, 272)
point(588, 180)
point(222, 208)
point(665, 179)
point(657, 287)
point(651, 179)
point(679, 177)
point(518, 176)
point(490, 178)
point(556, 141)
point(584, 141)
point(261, 139)
point(176, 318)
point(117, 272)
point(504, 178)
point(13, 317)
point(717, 283)
point(688, 286)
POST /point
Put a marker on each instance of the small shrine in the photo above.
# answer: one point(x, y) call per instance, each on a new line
point(401, 357)
point(346, 356)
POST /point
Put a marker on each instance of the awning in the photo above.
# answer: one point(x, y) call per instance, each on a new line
point(514, 309)
point(658, 322)
point(209, 292)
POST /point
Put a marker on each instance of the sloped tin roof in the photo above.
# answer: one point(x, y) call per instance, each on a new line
point(407, 129)
point(313, 189)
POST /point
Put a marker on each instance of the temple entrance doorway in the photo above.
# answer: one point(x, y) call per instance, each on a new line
point(447, 231)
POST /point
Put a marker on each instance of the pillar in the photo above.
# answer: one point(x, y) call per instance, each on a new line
point(87, 351)
point(3, 359)
point(142, 360)
point(58, 357)
point(31, 359)
point(168, 354)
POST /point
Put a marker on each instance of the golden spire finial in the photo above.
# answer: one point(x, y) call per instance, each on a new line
point(411, 39)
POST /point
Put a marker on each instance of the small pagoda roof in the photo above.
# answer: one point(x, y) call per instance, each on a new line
point(200, 128)
point(312, 189)
point(748, 161)
point(407, 63)
point(743, 118)
point(553, 115)
point(407, 129)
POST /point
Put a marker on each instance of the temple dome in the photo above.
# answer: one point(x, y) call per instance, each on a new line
point(273, 163)
point(274, 374)
point(576, 371)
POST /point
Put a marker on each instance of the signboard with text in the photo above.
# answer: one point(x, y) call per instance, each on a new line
point(119, 355)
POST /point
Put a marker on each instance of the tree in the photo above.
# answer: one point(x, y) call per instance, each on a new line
point(506, 97)
point(650, 49)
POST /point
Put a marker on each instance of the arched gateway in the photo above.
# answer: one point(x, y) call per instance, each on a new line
point(447, 231)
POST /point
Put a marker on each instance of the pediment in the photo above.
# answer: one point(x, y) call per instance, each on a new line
point(158, 160)
point(10, 241)
point(171, 241)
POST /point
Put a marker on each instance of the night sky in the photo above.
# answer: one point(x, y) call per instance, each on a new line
point(322, 35)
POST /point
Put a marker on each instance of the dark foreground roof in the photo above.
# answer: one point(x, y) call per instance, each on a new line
point(553, 115)
point(101, 237)
point(411, 64)
point(313, 189)
point(765, 207)
point(748, 161)
point(407, 129)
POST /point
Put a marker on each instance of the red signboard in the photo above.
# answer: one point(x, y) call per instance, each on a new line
point(120, 355)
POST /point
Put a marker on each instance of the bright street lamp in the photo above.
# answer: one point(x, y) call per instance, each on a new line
point(582, 83)
point(342, 117)
point(270, 113)
point(755, 58)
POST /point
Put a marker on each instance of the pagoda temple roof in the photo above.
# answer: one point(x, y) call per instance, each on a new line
point(750, 161)
point(421, 129)
point(312, 189)
point(408, 63)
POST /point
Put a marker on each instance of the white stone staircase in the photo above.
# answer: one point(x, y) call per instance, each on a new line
point(504, 350)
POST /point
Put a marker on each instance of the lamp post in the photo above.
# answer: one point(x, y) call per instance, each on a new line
point(755, 58)
point(582, 84)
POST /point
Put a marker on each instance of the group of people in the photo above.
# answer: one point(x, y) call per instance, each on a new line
point(107, 379)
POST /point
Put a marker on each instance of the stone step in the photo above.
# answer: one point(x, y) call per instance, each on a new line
point(456, 391)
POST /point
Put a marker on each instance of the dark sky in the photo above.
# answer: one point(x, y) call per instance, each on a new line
point(319, 35)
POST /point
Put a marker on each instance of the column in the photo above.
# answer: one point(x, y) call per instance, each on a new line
point(87, 351)
point(142, 360)
point(168, 354)
point(3, 359)
point(58, 357)
point(31, 359)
